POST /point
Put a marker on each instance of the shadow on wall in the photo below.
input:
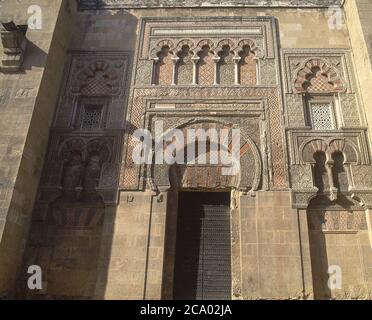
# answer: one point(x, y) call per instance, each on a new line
point(318, 251)
point(34, 57)
point(72, 228)
point(316, 215)
point(105, 30)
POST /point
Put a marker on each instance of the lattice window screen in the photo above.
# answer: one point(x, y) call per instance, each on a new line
point(322, 116)
point(92, 115)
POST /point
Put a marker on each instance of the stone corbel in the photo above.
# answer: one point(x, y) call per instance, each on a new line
point(13, 38)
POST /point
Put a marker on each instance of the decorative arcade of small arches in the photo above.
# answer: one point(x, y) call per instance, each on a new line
point(205, 63)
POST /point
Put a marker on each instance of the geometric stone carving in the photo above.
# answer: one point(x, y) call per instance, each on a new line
point(321, 116)
point(164, 67)
point(301, 177)
point(184, 67)
point(337, 221)
point(247, 67)
point(14, 42)
point(362, 177)
point(195, 30)
point(295, 111)
point(224, 53)
point(226, 66)
point(350, 110)
point(318, 76)
point(323, 76)
point(273, 154)
point(91, 117)
point(98, 79)
point(205, 67)
point(210, 174)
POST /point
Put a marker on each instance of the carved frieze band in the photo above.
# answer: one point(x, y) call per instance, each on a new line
point(337, 221)
point(195, 30)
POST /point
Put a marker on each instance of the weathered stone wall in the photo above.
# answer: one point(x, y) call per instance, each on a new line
point(339, 240)
point(27, 103)
point(68, 238)
point(357, 14)
point(271, 248)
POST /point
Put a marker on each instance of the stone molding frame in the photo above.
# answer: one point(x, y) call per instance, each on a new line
point(357, 165)
point(157, 32)
point(355, 139)
point(349, 137)
point(339, 60)
point(83, 65)
point(82, 163)
point(306, 72)
point(87, 78)
point(178, 31)
point(63, 144)
point(112, 69)
point(130, 176)
point(164, 176)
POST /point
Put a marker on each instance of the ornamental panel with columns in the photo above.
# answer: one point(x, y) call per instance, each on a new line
point(326, 128)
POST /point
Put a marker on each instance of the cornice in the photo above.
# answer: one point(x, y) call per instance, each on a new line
point(132, 4)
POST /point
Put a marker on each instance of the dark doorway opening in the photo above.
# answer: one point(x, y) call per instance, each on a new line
point(203, 247)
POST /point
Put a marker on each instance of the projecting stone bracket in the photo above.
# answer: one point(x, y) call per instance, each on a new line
point(13, 38)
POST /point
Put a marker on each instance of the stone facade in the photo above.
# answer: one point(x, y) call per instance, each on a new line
point(103, 227)
point(27, 97)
